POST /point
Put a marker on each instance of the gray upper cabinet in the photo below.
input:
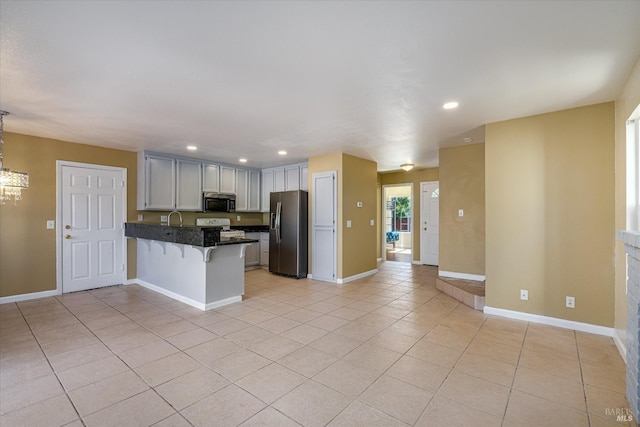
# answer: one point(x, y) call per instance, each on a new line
point(211, 178)
point(254, 191)
point(283, 178)
point(247, 190)
point(304, 178)
point(189, 185)
point(242, 190)
point(278, 179)
point(227, 180)
point(159, 182)
point(267, 189)
point(292, 178)
point(168, 182)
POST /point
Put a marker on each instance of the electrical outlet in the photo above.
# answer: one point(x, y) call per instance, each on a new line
point(238, 217)
point(140, 217)
point(571, 302)
point(524, 294)
point(164, 218)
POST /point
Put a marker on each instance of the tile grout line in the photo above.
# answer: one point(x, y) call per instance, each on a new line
point(55, 373)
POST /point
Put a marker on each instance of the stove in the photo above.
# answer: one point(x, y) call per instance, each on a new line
point(225, 223)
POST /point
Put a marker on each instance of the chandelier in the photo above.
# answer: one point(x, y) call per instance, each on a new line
point(11, 183)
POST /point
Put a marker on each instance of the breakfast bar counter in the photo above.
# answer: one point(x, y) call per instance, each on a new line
point(191, 264)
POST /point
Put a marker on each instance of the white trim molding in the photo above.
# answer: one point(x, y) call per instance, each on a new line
point(184, 299)
point(465, 276)
point(621, 343)
point(26, 297)
point(357, 276)
point(551, 321)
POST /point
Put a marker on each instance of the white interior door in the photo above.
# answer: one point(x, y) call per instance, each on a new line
point(323, 216)
point(429, 222)
point(92, 227)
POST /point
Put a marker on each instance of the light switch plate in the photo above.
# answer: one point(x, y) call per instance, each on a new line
point(348, 223)
point(51, 224)
point(359, 204)
point(524, 294)
point(373, 222)
point(460, 212)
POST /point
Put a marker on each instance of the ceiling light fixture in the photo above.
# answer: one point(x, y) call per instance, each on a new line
point(11, 183)
point(282, 152)
point(407, 166)
point(467, 139)
point(450, 105)
point(192, 147)
point(242, 160)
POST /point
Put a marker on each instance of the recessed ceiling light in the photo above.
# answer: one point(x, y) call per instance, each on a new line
point(242, 160)
point(450, 105)
point(192, 147)
point(282, 152)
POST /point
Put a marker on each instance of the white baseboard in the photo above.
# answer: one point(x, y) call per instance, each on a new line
point(223, 302)
point(465, 276)
point(26, 297)
point(621, 344)
point(357, 276)
point(189, 301)
point(551, 321)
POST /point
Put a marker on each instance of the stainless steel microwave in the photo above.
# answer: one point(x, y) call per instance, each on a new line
point(218, 202)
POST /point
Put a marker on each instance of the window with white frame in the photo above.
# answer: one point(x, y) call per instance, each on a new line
point(633, 171)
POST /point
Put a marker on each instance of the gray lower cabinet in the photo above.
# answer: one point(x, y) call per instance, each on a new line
point(252, 254)
point(264, 249)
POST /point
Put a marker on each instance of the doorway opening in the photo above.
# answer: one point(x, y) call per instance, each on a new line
point(397, 230)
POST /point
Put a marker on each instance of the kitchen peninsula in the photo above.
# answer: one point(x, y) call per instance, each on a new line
point(191, 264)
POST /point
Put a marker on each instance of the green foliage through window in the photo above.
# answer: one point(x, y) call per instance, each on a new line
point(402, 213)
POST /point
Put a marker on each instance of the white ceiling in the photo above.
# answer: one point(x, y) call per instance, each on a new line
point(245, 79)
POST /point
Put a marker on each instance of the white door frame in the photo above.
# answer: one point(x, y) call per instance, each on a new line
point(59, 228)
point(384, 233)
point(422, 213)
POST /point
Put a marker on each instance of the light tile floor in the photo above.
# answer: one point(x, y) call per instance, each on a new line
point(387, 350)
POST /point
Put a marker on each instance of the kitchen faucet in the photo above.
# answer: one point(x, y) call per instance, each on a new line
point(171, 213)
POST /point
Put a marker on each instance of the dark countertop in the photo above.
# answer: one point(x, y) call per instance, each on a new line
point(187, 235)
point(251, 228)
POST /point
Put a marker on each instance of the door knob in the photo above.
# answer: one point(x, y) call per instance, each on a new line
point(425, 229)
point(67, 236)
point(67, 227)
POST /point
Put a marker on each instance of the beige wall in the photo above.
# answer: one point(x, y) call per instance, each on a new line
point(356, 183)
point(27, 248)
point(415, 177)
point(462, 239)
point(359, 241)
point(625, 104)
point(550, 213)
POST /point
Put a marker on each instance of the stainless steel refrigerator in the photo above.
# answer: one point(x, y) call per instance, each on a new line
point(288, 233)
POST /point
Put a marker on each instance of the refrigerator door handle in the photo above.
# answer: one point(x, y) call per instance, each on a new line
point(273, 221)
point(278, 212)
